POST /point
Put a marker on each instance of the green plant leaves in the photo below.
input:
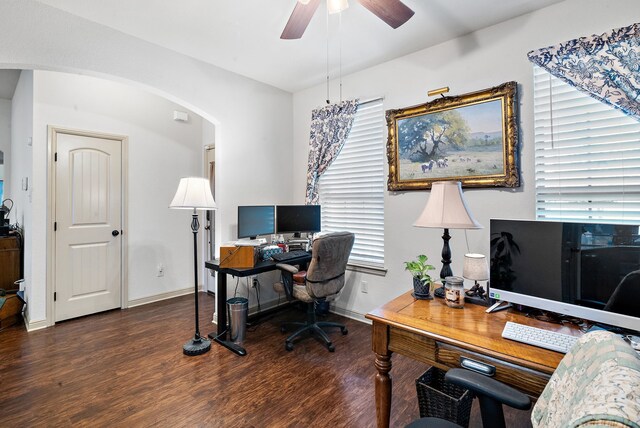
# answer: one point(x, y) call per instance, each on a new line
point(419, 268)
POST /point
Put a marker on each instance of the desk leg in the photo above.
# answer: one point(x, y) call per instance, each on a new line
point(383, 390)
point(380, 342)
point(220, 336)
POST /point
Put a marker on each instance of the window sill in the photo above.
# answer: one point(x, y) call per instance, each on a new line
point(372, 270)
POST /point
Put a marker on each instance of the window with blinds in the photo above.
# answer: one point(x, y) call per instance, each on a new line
point(587, 156)
point(351, 191)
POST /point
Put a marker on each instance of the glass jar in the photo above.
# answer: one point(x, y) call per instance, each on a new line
point(454, 291)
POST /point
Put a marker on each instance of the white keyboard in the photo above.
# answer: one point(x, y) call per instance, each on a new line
point(540, 337)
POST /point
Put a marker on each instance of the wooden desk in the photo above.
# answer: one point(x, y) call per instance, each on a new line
point(431, 332)
point(220, 335)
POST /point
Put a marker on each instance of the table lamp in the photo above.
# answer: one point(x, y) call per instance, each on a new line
point(194, 193)
point(446, 209)
point(475, 267)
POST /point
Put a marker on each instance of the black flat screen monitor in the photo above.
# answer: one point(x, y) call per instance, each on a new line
point(587, 270)
point(256, 220)
point(297, 219)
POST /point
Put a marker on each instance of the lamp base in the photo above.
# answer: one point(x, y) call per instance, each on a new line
point(196, 346)
point(439, 292)
point(477, 295)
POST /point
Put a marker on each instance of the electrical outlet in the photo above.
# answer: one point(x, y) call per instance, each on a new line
point(160, 270)
point(255, 283)
point(364, 287)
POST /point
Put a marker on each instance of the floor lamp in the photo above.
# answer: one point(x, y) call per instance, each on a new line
point(194, 193)
point(446, 209)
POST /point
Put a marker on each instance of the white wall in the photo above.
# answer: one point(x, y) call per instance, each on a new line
point(477, 61)
point(253, 120)
point(5, 142)
point(161, 151)
point(21, 167)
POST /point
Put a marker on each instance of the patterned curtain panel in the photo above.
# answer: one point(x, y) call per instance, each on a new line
point(330, 127)
point(607, 66)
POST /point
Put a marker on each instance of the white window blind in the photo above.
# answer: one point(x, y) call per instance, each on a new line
point(587, 156)
point(352, 189)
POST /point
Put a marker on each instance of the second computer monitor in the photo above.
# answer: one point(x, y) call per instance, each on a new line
point(298, 219)
point(254, 221)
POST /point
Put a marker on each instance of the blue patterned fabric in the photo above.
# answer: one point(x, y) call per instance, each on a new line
point(606, 66)
point(330, 127)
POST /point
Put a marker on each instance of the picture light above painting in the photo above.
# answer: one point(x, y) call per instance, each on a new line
point(471, 138)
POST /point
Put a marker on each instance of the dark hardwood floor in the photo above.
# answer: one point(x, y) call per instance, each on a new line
point(126, 368)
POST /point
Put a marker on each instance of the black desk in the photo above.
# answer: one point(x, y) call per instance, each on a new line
point(220, 336)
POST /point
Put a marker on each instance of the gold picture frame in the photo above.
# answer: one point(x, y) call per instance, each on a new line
point(471, 138)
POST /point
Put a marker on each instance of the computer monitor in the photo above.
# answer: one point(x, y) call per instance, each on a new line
point(573, 269)
point(297, 219)
point(256, 220)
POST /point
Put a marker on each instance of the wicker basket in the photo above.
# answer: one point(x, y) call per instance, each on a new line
point(440, 399)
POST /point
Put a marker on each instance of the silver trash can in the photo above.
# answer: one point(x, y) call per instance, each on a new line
point(237, 307)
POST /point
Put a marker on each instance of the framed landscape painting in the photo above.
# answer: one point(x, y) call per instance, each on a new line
point(471, 138)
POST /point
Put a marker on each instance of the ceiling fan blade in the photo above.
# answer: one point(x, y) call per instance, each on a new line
point(299, 19)
point(393, 12)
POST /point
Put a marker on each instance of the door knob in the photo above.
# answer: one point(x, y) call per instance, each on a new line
point(115, 232)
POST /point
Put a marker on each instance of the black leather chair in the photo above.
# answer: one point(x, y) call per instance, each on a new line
point(597, 383)
point(322, 281)
point(491, 396)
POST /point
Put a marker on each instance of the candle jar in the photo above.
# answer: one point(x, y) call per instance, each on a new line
point(454, 292)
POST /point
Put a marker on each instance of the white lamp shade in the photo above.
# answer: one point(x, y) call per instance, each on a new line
point(193, 193)
point(446, 208)
point(475, 267)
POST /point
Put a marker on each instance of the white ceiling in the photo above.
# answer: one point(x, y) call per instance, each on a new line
point(243, 36)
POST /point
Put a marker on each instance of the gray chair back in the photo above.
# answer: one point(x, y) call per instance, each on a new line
point(330, 254)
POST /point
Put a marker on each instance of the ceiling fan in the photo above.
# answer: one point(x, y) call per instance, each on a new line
point(393, 12)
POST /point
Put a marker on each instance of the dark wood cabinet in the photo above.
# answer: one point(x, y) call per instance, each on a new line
point(10, 261)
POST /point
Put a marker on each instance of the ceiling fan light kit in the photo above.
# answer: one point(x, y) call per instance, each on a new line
point(337, 6)
point(393, 12)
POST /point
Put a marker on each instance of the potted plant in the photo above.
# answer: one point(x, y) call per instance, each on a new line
point(419, 269)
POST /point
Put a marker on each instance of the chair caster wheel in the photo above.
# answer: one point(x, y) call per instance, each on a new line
point(288, 346)
point(331, 347)
point(344, 331)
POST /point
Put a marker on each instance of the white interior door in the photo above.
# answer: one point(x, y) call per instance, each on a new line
point(88, 216)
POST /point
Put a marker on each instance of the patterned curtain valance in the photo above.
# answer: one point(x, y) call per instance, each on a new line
point(606, 66)
point(330, 127)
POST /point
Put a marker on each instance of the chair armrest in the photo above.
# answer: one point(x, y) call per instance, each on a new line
point(288, 268)
point(483, 385)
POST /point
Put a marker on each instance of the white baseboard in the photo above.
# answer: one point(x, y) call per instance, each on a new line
point(269, 304)
point(159, 297)
point(35, 325)
point(350, 314)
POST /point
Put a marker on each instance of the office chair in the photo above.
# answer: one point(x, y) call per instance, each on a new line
point(597, 383)
point(322, 281)
point(625, 297)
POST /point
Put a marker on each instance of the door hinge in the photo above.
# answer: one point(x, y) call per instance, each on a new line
point(55, 296)
point(55, 157)
point(55, 226)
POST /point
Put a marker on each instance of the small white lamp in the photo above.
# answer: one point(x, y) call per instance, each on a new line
point(194, 193)
point(475, 268)
point(446, 209)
